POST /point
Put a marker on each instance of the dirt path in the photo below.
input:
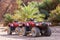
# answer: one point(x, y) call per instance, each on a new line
point(55, 36)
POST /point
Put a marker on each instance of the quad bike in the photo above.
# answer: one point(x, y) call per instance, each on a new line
point(11, 28)
point(35, 28)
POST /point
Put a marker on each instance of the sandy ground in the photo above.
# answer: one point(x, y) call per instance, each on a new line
point(55, 35)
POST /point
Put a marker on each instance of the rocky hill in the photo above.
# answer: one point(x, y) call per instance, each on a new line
point(7, 6)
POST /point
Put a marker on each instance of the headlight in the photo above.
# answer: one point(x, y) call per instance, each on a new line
point(27, 24)
point(11, 25)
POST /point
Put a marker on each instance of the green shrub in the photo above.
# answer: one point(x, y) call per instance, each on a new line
point(8, 18)
point(55, 15)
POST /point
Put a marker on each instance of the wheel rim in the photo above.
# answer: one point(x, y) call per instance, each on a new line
point(33, 32)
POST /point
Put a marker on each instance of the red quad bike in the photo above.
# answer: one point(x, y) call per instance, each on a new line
point(13, 27)
point(36, 29)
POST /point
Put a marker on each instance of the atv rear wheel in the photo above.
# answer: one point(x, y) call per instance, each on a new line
point(35, 31)
point(47, 32)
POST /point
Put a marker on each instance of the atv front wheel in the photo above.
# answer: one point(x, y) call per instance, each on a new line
point(9, 32)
